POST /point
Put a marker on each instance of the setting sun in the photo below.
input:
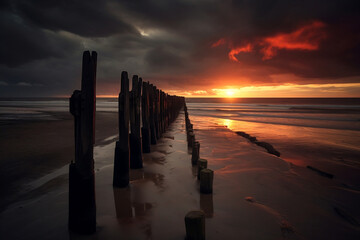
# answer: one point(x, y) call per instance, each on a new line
point(230, 92)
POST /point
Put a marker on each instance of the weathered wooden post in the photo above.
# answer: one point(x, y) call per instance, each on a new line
point(145, 130)
point(206, 180)
point(195, 225)
point(152, 113)
point(191, 138)
point(121, 161)
point(135, 135)
point(201, 164)
point(157, 113)
point(162, 110)
point(195, 153)
point(82, 206)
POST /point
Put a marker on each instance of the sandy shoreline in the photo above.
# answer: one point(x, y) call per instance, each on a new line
point(32, 149)
point(256, 196)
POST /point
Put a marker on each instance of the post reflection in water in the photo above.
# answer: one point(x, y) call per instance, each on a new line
point(207, 204)
point(122, 198)
point(194, 171)
point(129, 211)
point(125, 207)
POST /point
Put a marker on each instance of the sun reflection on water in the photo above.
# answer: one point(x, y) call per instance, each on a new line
point(227, 122)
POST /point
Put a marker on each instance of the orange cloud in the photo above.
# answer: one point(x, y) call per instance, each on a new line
point(235, 51)
point(307, 37)
point(221, 41)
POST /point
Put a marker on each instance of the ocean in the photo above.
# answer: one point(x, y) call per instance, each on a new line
point(320, 132)
point(316, 132)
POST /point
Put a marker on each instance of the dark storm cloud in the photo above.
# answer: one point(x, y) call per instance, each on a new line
point(92, 18)
point(22, 43)
point(170, 41)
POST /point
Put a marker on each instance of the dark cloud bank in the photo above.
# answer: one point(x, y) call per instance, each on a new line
point(169, 42)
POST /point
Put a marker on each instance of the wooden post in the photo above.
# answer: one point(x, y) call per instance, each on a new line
point(82, 206)
point(202, 164)
point(162, 110)
point(122, 153)
point(191, 138)
point(195, 225)
point(195, 153)
point(157, 113)
point(145, 130)
point(135, 135)
point(206, 180)
point(152, 113)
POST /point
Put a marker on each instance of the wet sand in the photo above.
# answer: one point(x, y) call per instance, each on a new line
point(32, 149)
point(256, 195)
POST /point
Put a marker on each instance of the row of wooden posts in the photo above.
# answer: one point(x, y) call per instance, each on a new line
point(195, 220)
point(158, 110)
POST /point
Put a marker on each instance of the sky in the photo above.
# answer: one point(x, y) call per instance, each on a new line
point(194, 48)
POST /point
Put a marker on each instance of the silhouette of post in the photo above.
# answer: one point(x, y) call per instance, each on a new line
point(152, 114)
point(145, 130)
point(82, 206)
point(195, 225)
point(161, 115)
point(135, 135)
point(206, 180)
point(122, 153)
point(157, 112)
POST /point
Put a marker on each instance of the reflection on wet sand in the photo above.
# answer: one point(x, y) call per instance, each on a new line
point(126, 208)
point(207, 205)
point(139, 175)
point(194, 170)
point(122, 199)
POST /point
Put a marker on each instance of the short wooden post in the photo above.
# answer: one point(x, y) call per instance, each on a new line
point(191, 139)
point(122, 152)
point(135, 135)
point(195, 225)
point(206, 180)
point(82, 206)
point(195, 153)
point(201, 164)
point(145, 130)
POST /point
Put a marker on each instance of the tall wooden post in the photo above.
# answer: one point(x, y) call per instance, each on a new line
point(161, 115)
point(145, 130)
point(157, 113)
point(135, 135)
point(82, 206)
point(152, 113)
point(121, 161)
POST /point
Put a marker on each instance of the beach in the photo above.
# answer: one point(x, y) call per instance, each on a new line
point(256, 195)
point(33, 148)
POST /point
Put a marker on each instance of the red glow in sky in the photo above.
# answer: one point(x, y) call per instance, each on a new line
point(306, 38)
point(221, 41)
point(235, 51)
